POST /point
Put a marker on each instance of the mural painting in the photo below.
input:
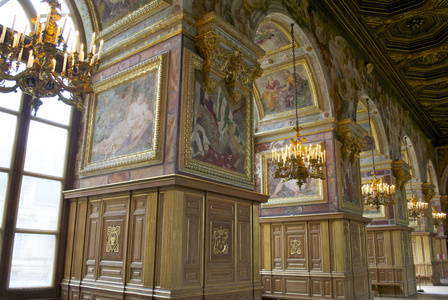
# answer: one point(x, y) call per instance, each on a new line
point(350, 182)
point(277, 93)
point(130, 129)
point(218, 130)
point(110, 11)
point(269, 37)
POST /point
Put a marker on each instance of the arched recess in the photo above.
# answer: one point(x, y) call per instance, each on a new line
point(410, 157)
point(274, 36)
point(443, 182)
point(431, 177)
point(378, 133)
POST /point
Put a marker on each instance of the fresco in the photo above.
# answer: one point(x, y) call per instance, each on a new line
point(110, 11)
point(130, 129)
point(269, 37)
point(350, 182)
point(277, 92)
point(218, 129)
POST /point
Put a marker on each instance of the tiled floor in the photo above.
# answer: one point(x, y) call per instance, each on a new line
point(430, 293)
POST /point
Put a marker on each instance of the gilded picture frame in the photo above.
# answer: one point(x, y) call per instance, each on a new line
point(194, 152)
point(111, 17)
point(355, 191)
point(275, 101)
point(288, 193)
point(125, 119)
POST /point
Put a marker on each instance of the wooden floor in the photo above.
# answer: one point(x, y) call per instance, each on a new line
point(430, 293)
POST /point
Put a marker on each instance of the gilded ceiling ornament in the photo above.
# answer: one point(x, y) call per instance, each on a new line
point(415, 24)
point(351, 146)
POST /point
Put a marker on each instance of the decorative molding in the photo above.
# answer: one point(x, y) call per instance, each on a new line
point(352, 146)
point(402, 177)
point(295, 246)
point(113, 239)
point(428, 190)
point(220, 241)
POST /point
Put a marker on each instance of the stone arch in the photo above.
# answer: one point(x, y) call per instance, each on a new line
point(280, 58)
point(443, 182)
point(407, 148)
point(378, 131)
point(432, 177)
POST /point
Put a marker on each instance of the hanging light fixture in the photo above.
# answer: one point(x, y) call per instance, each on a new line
point(417, 209)
point(437, 217)
point(377, 193)
point(46, 46)
point(297, 162)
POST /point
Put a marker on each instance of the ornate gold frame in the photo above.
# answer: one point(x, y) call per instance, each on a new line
point(151, 156)
point(125, 22)
point(187, 164)
point(343, 204)
point(311, 77)
point(300, 200)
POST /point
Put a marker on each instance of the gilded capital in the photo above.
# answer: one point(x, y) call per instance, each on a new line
point(352, 145)
point(402, 173)
point(428, 190)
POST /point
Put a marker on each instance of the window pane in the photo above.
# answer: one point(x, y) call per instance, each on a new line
point(8, 122)
point(3, 184)
point(39, 203)
point(9, 10)
point(46, 147)
point(54, 110)
point(32, 260)
point(11, 100)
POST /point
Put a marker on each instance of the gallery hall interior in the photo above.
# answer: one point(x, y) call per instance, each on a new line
point(219, 149)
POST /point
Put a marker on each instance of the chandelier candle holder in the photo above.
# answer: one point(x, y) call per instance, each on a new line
point(297, 162)
point(377, 192)
point(416, 208)
point(437, 217)
point(46, 47)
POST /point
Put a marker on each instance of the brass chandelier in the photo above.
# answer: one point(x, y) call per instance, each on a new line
point(377, 193)
point(297, 162)
point(437, 217)
point(416, 208)
point(42, 78)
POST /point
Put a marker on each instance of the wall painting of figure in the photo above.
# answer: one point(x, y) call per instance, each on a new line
point(275, 92)
point(270, 37)
point(217, 138)
point(124, 118)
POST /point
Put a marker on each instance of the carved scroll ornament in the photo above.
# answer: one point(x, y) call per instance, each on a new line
point(113, 239)
point(351, 146)
point(220, 241)
point(402, 177)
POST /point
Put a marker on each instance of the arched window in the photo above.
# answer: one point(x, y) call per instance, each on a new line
point(34, 164)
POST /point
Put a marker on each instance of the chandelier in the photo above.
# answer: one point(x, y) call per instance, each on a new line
point(47, 49)
point(416, 208)
point(297, 162)
point(437, 217)
point(377, 193)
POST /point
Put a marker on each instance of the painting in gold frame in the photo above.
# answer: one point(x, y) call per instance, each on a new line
point(275, 95)
point(288, 193)
point(217, 136)
point(125, 119)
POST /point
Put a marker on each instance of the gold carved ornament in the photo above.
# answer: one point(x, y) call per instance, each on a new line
point(295, 246)
point(351, 146)
point(402, 177)
point(113, 239)
point(220, 241)
point(428, 193)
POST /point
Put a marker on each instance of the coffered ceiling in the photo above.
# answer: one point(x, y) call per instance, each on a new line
point(413, 38)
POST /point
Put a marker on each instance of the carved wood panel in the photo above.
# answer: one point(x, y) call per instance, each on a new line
point(92, 239)
point(244, 238)
point(371, 249)
point(193, 239)
point(277, 246)
point(315, 246)
point(295, 238)
point(220, 239)
point(114, 238)
point(380, 248)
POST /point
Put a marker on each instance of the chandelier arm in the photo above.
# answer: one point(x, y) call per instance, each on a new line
point(4, 89)
point(73, 101)
point(71, 89)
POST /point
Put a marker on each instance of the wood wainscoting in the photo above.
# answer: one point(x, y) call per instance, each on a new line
point(177, 238)
point(315, 256)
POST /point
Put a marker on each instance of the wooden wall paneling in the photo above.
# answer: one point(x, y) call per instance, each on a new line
point(315, 246)
point(265, 248)
point(371, 248)
point(297, 286)
point(114, 228)
point(141, 245)
point(158, 260)
point(220, 240)
point(77, 259)
point(70, 241)
point(193, 239)
point(256, 247)
point(92, 240)
point(296, 246)
point(244, 241)
point(277, 246)
point(171, 238)
point(326, 246)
